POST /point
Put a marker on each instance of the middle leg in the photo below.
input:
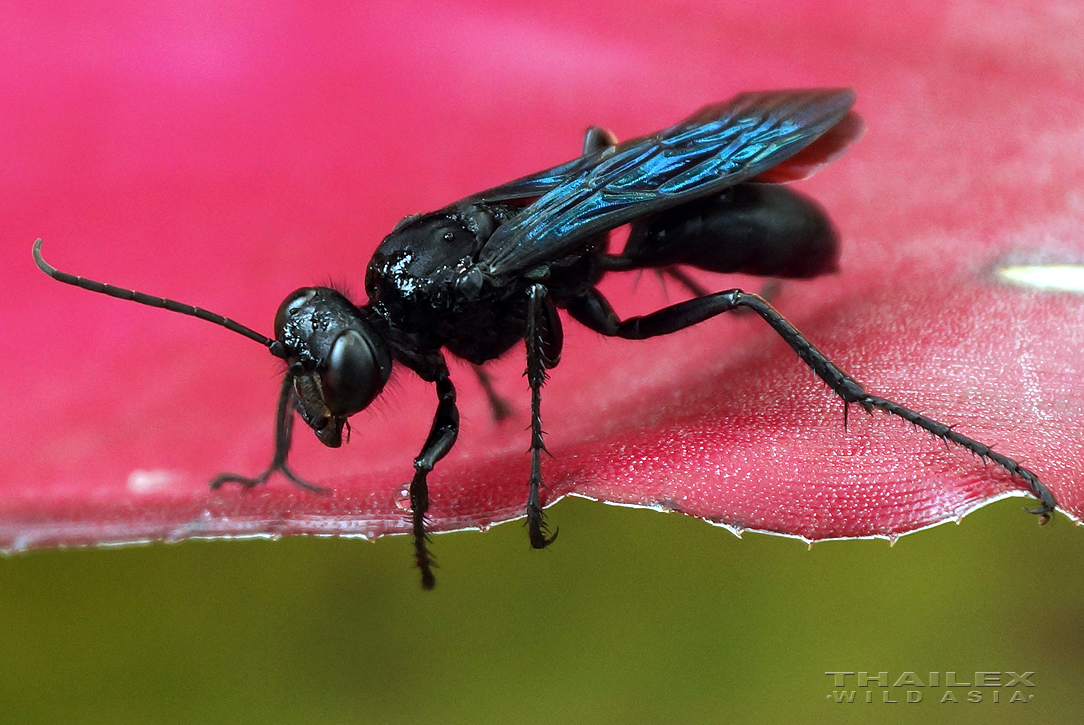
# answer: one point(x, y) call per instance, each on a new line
point(544, 340)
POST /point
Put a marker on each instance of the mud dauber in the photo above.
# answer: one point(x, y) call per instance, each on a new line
point(478, 276)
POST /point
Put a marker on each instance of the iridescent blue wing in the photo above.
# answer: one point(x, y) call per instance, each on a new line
point(536, 185)
point(716, 147)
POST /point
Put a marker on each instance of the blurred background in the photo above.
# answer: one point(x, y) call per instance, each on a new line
point(634, 616)
point(222, 153)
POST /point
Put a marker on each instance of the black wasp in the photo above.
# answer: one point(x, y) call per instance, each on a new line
point(478, 276)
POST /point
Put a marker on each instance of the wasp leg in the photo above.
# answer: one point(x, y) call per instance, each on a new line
point(544, 340)
point(681, 277)
point(594, 311)
point(284, 427)
point(441, 438)
point(500, 407)
point(770, 290)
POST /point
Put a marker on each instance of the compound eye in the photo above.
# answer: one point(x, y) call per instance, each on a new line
point(291, 306)
point(353, 377)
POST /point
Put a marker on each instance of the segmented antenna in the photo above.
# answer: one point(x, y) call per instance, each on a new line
point(274, 346)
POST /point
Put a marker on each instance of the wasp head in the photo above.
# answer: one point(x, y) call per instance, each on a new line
point(338, 360)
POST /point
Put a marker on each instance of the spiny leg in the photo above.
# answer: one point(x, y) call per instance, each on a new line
point(284, 425)
point(441, 438)
point(544, 340)
point(1047, 502)
point(594, 311)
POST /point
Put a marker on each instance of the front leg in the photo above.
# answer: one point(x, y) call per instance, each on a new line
point(441, 438)
point(284, 428)
point(544, 341)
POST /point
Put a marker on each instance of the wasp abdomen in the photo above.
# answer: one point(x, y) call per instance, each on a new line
point(760, 229)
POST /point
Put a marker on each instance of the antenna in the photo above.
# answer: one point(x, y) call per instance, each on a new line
point(277, 349)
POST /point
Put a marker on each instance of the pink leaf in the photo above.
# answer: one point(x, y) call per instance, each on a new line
point(226, 160)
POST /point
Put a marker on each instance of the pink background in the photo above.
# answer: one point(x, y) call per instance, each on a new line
point(226, 157)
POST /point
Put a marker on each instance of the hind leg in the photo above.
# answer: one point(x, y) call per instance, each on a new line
point(594, 311)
